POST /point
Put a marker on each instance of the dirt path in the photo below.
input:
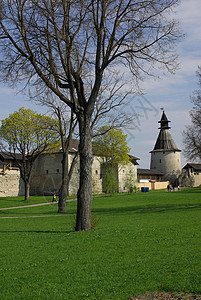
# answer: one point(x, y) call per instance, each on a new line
point(32, 205)
point(43, 216)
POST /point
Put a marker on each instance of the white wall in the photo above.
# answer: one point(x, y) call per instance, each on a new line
point(124, 173)
point(11, 183)
point(168, 162)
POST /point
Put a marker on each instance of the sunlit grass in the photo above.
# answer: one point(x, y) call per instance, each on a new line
point(134, 249)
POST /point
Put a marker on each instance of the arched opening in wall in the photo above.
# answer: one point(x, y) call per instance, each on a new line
point(160, 161)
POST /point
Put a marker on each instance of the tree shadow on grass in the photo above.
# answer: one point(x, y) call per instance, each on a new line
point(39, 231)
point(8, 213)
point(191, 190)
point(109, 210)
point(122, 210)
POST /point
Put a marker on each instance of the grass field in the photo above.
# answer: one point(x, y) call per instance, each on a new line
point(143, 242)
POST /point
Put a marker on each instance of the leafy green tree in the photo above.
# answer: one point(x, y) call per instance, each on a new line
point(110, 144)
point(110, 180)
point(71, 46)
point(131, 182)
point(28, 133)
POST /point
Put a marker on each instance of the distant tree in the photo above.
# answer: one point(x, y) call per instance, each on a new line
point(131, 181)
point(192, 134)
point(110, 143)
point(68, 45)
point(111, 146)
point(110, 180)
point(28, 133)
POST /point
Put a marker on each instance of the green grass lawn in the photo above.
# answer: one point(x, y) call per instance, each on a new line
point(19, 201)
point(134, 249)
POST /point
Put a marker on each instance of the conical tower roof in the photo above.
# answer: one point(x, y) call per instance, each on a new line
point(164, 122)
point(165, 141)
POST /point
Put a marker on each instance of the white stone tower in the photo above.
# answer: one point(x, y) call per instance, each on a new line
point(165, 156)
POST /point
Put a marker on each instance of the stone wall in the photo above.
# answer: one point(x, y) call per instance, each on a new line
point(11, 184)
point(154, 185)
point(197, 178)
point(47, 175)
point(168, 162)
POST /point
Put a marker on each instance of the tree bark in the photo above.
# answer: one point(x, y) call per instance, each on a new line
point(66, 177)
point(27, 189)
point(64, 185)
point(84, 195)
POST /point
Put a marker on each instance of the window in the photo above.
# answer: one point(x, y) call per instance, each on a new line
point(160, 160)
point(46, 171)
point(57, 170)
point(96, 172)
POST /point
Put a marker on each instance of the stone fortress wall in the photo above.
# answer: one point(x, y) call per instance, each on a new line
point(11, 184)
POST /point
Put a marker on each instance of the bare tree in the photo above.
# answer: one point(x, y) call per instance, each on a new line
point(66, 127)
point(192, 134)
point(71, 45)
point(109, 109)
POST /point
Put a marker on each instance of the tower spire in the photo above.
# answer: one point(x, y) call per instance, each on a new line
point(165, 140)
point(164, 122)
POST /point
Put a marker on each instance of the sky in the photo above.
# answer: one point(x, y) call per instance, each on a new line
point(171, 92)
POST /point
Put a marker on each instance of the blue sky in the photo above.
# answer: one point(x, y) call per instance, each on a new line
point(171, 92)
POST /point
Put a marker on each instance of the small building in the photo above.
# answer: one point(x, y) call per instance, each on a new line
point(151, 178)
point(191, 175)
point(149, 174)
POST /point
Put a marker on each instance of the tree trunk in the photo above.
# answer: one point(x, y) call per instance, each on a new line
point(66, 177)
point(84, 195)
point(27, 189)
point(64, 184)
